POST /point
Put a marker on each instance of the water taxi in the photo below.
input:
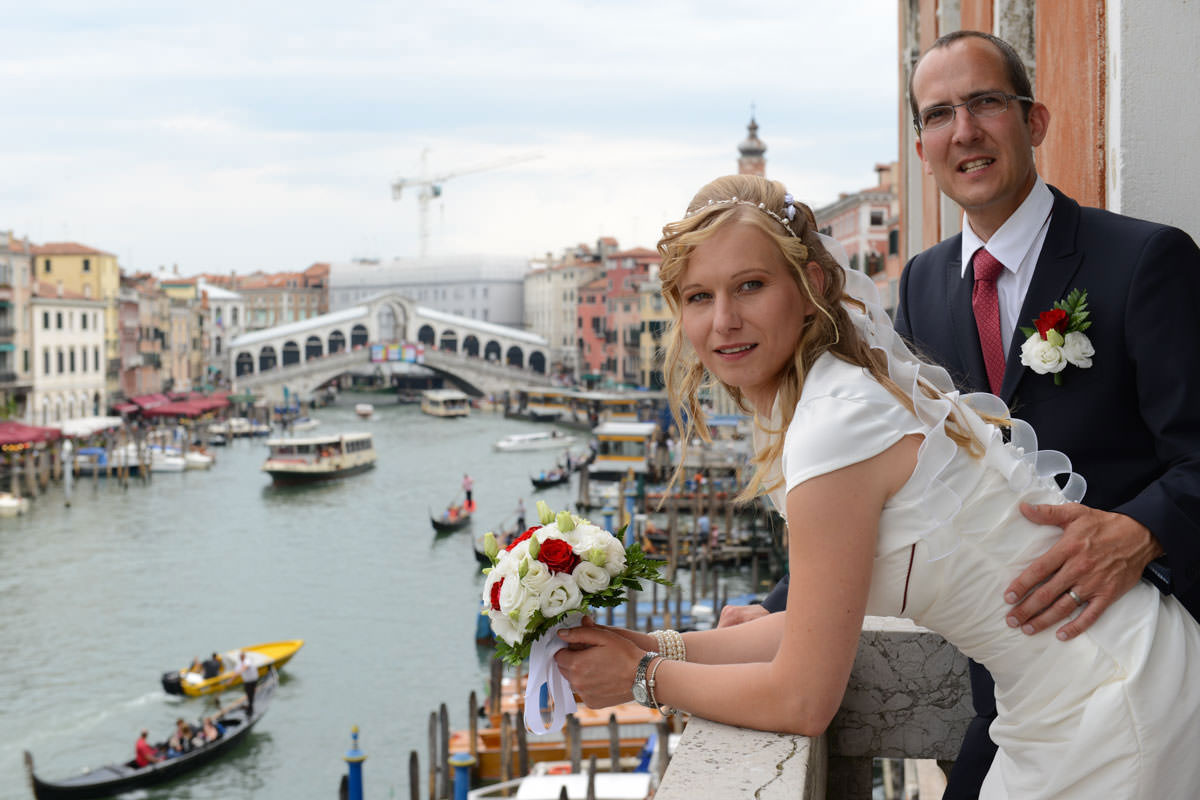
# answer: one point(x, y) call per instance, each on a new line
point(445, 403)
point(319, 458)
point(223, 674)
point(364, 410)
point(541, 440)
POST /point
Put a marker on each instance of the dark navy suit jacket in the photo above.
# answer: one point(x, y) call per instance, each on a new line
point(1130, 423)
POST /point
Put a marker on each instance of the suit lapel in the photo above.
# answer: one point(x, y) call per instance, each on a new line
point(1056, 267)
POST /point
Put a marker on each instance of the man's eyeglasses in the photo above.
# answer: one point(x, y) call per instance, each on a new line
point(988, 104)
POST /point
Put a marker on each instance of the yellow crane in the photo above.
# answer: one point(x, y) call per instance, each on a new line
point(430, 186)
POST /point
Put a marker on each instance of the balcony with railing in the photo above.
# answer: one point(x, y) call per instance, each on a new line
point(7, 332)
point(908, 697)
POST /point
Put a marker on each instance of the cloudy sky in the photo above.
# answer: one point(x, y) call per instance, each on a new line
point(245, 135)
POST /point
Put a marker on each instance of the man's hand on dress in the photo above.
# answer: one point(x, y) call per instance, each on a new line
point(1100, 557)
point(736, 615)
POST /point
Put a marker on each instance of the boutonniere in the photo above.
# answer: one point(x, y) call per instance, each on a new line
point(1057, 338)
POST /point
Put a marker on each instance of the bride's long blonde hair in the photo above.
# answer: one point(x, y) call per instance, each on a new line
point(753, 200)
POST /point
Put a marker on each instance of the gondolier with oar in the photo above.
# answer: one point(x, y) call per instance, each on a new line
point(249, 675)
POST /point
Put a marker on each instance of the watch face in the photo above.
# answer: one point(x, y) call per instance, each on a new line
point(640, 694)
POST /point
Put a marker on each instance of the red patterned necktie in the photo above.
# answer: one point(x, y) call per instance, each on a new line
point(986, 303)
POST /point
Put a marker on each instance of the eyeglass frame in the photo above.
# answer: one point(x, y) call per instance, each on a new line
point(955, 106)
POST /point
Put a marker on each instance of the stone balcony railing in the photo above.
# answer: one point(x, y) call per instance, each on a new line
point(908, 697)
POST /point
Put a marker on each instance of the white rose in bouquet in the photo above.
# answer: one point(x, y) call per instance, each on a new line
point(591, 578)
point(562, 594)
point(1078, 350)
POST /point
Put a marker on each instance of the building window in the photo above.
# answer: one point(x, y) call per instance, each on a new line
point(893, 242)
point(60, 361)
point(876, 218)
point(46, 361)
point(46, 320)
point(46, 268)
point(59, 320)
point(87, 265)
point(83, 320)
point(25, 359)
point(96, 358)
point(72, 354)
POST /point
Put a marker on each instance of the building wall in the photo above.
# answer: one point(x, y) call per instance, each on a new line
point(69, 361)
point(16, 267)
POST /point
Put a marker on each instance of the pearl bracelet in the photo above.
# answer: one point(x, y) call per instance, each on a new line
point(670, 645)
point(666, 711)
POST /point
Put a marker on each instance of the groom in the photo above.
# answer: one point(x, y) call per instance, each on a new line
point(1130, 422)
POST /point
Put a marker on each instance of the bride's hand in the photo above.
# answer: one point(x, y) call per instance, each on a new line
point(599, 663)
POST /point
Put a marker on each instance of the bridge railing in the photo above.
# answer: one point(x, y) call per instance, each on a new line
point(908, 697)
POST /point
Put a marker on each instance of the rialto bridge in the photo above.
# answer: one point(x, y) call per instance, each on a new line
point(480, 357)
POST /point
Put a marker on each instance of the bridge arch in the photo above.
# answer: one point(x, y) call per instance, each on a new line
point(515, 357)
point(492, 351)
point(244, 364)
point(537, 361)
point(313, 348)
point(337, 342)
point(266, 358)
point(425, 335)
point(470, 346)
point(449, 340)
point(358, 336)
point(291, 353)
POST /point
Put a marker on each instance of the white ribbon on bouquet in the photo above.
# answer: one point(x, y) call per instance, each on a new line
point(543, 671)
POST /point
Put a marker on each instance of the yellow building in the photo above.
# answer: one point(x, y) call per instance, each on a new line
point(95, 275)
point(655, 317)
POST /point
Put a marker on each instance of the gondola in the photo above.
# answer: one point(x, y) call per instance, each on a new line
point(113, 779)
point(460, 519)
point(548, 479)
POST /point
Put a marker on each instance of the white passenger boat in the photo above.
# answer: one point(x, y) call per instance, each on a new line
point(319, 458)
point(621, 447)
point(445, 403)
point(541, 440)
point(12, 505)
point(301, 424)
point(166, 459)
point(364, 410)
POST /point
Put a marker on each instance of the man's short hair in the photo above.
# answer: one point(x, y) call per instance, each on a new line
point(1018, 76)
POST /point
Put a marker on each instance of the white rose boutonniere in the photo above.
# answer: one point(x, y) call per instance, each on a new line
point(1057, 338)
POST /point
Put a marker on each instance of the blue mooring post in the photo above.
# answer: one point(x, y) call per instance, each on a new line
point(609, 513)
point(462, 763)
point(354, 757)
point(630, 508)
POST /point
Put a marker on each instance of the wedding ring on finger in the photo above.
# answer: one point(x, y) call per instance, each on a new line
point(1075, 596)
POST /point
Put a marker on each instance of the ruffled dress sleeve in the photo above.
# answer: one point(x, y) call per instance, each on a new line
point(844, 416)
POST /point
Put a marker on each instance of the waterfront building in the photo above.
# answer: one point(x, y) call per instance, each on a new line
point(1111, 73)
point(625, 272)
point(479, 287)
point(145, 318)
point(592, 331)
point(278, 298)
point(93, 274)
point(68, 342)
point(16, 380)
point(551, 301)
point(655, 317)
point(867, 224)
point(226, 315)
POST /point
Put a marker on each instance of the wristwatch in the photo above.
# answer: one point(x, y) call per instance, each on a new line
point(641, 688)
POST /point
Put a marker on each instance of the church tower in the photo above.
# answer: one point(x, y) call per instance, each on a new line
point(752, 161)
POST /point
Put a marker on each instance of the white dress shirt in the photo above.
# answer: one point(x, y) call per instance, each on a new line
point(1017, 245)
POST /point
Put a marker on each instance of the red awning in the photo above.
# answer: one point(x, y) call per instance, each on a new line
point(182, 408)
point(124, 408)
point(16, 433)
point(150, 400)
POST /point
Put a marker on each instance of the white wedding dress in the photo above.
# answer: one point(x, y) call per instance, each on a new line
point(1111, 713)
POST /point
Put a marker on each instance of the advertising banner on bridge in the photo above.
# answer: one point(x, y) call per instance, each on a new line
point(411, 353)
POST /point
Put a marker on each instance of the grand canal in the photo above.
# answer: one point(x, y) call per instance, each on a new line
point(98, 598)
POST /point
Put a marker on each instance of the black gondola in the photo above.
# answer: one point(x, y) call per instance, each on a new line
point(113, 779)
point(548, 479)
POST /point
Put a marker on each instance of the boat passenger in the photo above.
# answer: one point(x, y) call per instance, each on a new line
point(211, 668)
point(146, 753)
point(196, 666)
point(181, 740)
point(212, 730)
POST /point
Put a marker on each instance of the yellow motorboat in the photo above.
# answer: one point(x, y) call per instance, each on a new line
point(219, 672)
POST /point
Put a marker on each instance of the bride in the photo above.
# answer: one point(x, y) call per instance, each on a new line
point(901, 499)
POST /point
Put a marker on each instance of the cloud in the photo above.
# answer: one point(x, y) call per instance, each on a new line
point(267, 135)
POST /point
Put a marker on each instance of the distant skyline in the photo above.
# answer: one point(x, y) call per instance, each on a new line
point(227, 137)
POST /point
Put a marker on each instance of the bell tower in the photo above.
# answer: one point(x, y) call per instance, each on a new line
point(751, 161)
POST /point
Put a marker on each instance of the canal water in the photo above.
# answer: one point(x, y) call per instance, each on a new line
point(99, 598)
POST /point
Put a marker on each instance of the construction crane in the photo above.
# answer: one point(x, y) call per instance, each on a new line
point(428, 187)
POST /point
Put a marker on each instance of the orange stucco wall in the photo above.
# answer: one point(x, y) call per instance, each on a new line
point(1071, 82)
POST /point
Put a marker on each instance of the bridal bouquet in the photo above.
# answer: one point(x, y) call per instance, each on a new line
point(564, 565)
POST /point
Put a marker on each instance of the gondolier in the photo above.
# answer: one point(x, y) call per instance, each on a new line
point(249, 675)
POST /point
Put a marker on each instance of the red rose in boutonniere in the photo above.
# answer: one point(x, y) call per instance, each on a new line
point(1057, 338)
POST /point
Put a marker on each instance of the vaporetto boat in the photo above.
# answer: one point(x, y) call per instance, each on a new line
point(309, 459)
